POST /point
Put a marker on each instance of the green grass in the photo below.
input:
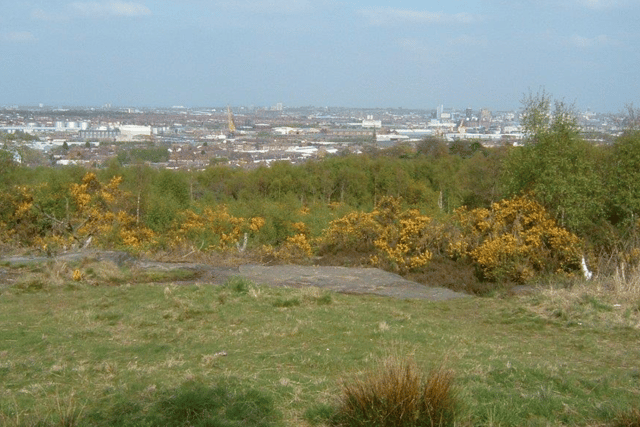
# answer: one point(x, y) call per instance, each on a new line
point(73, 353)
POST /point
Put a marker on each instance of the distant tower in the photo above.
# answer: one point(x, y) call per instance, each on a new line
point(439, 111)
point(232, 124)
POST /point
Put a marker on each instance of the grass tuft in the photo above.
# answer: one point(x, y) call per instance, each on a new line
point(324, 299)
point(630, 419)
point(238, 285)
point(286, 302)
point(69, 411)
point(399, 395)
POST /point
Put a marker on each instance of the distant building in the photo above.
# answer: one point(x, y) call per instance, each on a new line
point(485, 116)
point(99, 134)
point(468, 113)
point(130, 132)
point(370, 123)
point(349, 132)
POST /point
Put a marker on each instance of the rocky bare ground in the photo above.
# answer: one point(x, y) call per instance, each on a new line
point(350, 280)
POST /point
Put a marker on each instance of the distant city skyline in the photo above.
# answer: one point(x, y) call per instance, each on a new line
point(415, 55)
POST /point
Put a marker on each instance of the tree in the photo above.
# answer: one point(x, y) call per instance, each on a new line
point(349, 175)
point(624, 174)
point(480, 177)
point(433, 146)
point(632, 120)
point(169, 194)
point(557, 166)
point(7, 165)
point(465, 149)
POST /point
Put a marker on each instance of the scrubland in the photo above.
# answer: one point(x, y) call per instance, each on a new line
point(520, 228)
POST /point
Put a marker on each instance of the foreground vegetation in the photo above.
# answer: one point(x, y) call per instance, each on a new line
point(492, 216)
point(82, 346)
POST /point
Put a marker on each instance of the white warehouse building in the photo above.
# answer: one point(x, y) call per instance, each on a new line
point(129, 132)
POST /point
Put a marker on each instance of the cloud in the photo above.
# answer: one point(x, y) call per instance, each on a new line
point(599, 4)
point(112, 8)
point(587, 42)
point(18, 37)
point(390, 16)
point(268, 6)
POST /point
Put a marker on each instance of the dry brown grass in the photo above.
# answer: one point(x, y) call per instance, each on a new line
point(399, 395)
point(629, 419)
point(54, 274)
point(456, 275)
point(610, 301)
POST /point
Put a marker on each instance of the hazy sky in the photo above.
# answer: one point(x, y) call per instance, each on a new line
point(412, 54)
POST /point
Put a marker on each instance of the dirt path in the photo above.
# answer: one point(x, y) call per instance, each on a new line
point(347, 280)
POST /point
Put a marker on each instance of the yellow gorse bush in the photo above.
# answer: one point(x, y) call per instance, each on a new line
point(23, 202)
point(215, 225)
point(295, 248)
point(101, 212)
point(393, 238)
point(514, 240)
point(356, 231)
point(18, 215)
point(91, 210)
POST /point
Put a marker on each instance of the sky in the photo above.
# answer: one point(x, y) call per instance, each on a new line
point(361, 54)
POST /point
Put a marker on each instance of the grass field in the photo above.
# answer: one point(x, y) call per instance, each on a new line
point(86, 352)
